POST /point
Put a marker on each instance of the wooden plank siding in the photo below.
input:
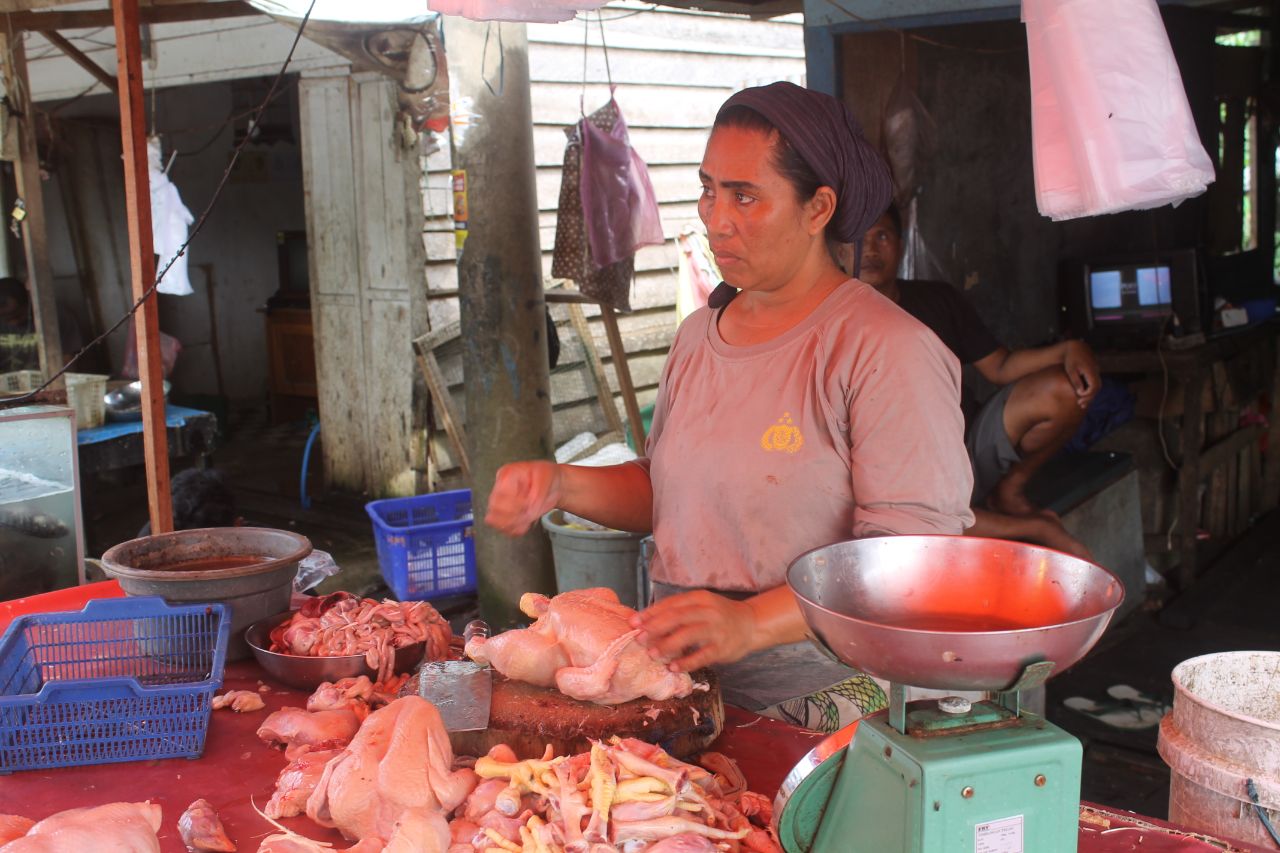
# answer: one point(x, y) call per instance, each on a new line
point(673, 69)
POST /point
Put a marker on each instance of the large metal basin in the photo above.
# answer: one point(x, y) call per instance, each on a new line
point(249, 569)
point(952, 612)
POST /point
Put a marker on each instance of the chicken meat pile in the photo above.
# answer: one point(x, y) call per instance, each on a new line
point(583, 645)
point(623, 795)
point(398, 786)
point(345, 624)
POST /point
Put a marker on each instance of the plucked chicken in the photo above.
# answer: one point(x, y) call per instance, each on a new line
point(297, 780)
point(582, 644)
point(294, 727)
point(399, 761)
point(113, 828)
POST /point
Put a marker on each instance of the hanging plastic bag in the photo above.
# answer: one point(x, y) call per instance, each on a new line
point(909, 138)
point(170, 348)
point(1110, 126)
point(618, 201)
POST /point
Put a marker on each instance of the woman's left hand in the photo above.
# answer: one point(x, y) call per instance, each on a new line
point(697, 629)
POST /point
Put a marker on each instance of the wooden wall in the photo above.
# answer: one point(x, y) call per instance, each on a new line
point(672, 68)
point(366, 281)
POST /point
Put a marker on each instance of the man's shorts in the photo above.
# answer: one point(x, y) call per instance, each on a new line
point(990, 451)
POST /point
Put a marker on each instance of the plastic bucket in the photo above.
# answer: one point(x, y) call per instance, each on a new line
point(592, 558)
point(1222, 735)
point(249, 569)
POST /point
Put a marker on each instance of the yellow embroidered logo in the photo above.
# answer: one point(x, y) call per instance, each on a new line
point(782, 437)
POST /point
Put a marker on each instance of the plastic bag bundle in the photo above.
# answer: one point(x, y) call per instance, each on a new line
point(1110, 125)
point(618, 201)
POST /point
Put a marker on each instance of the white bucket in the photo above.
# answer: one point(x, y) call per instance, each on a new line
point(1223, 732)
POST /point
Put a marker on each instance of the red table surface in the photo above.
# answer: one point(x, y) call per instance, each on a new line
point(237, 768)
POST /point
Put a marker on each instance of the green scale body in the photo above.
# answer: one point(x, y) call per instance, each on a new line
point(984, 781)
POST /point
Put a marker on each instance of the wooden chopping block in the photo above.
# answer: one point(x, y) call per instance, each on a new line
point(527, 718)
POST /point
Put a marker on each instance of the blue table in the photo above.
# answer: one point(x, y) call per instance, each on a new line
point(191, 432)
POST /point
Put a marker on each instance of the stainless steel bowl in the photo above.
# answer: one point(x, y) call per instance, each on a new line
point(125, 404)
point(952, 612)
point(308, 673)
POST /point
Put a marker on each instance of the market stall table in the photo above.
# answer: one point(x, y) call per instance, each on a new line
point(192, 432)
point(238, 771)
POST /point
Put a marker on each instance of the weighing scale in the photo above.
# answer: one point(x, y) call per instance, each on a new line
point(950, 775)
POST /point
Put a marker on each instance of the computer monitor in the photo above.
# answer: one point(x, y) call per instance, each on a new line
point(1132, 299)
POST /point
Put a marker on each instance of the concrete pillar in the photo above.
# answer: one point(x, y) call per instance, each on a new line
point(500, 293)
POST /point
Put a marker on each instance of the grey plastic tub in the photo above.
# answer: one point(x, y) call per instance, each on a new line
point(591, 558)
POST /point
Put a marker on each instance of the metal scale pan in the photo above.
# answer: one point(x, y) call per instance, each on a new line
point(952, 612)
point(939, 612)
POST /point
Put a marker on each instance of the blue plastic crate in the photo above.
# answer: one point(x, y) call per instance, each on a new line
point(425, 544)
point(124, 679)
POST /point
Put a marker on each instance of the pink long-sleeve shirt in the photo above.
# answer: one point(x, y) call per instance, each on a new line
point(846, 426)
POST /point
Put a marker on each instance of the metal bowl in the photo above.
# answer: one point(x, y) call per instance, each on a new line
point(125, 404)
point(952, 612)
point(308, 673)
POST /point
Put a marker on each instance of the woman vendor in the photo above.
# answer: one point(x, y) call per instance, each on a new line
point(799, 408)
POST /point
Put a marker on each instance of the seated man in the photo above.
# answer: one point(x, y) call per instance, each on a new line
point(1042, 398)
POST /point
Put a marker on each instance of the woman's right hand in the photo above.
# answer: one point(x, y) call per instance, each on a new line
point(522, 493)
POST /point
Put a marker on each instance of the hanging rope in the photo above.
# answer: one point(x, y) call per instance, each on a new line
point(502, 61)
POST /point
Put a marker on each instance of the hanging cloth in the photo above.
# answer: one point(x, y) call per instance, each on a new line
point(170, 220)
point(698, 273)
point(571, 257)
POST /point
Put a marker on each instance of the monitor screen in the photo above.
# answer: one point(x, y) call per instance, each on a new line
point(1130, 292)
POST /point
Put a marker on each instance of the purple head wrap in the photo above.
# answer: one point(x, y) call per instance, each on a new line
point(827, 136)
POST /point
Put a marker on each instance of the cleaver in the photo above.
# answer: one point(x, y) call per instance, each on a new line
point(461, 690)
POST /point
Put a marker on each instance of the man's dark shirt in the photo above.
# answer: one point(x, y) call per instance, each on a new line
point(945, 310)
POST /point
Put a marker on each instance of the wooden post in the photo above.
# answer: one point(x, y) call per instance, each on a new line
point(137, 195)
point(625, 385)
point(579, 320)
point(34, 233)
point(502, 310)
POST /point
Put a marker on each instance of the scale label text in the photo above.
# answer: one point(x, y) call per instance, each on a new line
point(998, 836)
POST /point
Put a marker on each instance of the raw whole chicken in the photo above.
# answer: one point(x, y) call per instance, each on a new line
point(13, 826)
point(399, 761)
point(296, 782)
point(294, 727)
point(201, 829)
point(240, 701)
point(582, 643)
point(113, 828)
point(344, 624)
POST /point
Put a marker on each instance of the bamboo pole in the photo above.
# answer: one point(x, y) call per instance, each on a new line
point(137, 193)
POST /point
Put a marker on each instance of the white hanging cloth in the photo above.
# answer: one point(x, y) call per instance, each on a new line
point(1110, 126)
point(170, 220)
